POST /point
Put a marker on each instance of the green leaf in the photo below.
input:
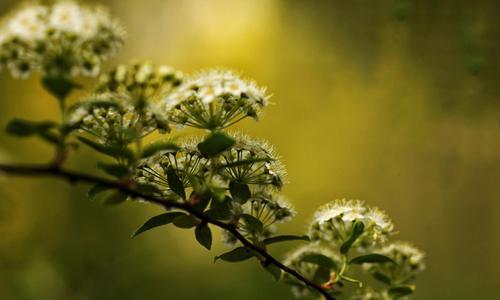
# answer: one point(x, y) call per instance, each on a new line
point(239, 191)
point(59, 87)
point(215, 143)
point(24, 128)
point(253, 225)
point(115, 198)
point(147, 188)
point(381, 277)
point(401, 291)
point(320, 260)
point(204, 235)
point(175, 183)
point(159, 146)
point(114, 170)
point(111, 150)
point(321, 275)
point(236, 255)
point(159, 220)
point(285, 238)
point(357, 230)
point(371, 258)
point(185, 221)
point(272, 269)
point(218, 214)
point(97, 189)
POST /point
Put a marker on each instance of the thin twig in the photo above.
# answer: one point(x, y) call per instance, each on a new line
point(74, 177)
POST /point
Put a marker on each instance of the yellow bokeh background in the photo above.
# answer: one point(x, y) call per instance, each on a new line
point(393, 102)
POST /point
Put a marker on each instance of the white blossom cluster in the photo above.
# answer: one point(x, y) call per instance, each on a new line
point(269, 207)
point(65, 39)
point(124, 106)
point(186, 161)
point(252, 162)
point(215, 99)
point(334, 225)
point(409, 262)
point(335, 221)
point(140, 82)
point(112, 122)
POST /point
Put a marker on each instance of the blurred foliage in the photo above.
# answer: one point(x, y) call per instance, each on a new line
point(395, 102)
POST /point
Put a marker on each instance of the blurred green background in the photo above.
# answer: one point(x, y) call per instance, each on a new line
point(393, 102)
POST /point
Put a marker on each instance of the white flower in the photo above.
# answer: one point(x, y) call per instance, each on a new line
point(215, 99)
point(266, 170)
point(409, 262)
point(63, 40)
point(334, 222)
point(186, 160)
point(405, 253)
point(68, 16)
point(29, 23)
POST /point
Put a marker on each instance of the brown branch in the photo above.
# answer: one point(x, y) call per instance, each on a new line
point(74, 177)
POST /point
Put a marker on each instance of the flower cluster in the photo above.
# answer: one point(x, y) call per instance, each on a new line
point(409, 262)
point(304, 259)
point(334, 222)
point(186, 161)
point(252, 162)
point(140, 82)
point(347, 226)
point(215, 99)
point(112, 122)
point(124, 107)
point(63, 40)
point(266, 208)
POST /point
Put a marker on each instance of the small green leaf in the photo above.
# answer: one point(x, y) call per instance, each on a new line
point(381, 277)
point(97, 189)
point(59, 87)
point(111, 150)
point(147, 189)
point(24, 128)
point(357, 230)
point(371, 258)
point(215, 143)
point(204, 235)
point(153, 148)
point(185, 221)
point(401, 291)
point(236, 255)
point(175, 183)
point(218, 214)
point(253, 225)
point(115, 198)
point(272, 269)
point(321, 275)
point(239, 191)
point(285, 238)
point(115, 170)
point(320, 260)
point(159, 220)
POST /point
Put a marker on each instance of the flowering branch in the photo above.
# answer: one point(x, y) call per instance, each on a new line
point(74, 177)
point(231, 181)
